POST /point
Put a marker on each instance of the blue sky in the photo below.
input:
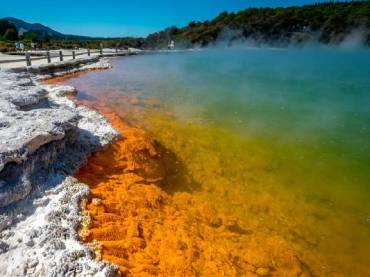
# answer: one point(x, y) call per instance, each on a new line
point(126, 18)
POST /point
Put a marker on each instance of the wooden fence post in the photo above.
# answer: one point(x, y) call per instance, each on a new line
point(61, 56)
point(101, 50)
point(48, 56)
point(28, 59)
point(88, 52)
point(73, 54)
point(116, 50)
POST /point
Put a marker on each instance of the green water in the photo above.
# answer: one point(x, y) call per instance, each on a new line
point(277, 138)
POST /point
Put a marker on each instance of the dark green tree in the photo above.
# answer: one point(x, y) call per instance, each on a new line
point(11, 34)
point(30, 36)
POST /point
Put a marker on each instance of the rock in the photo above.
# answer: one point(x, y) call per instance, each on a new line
point(19, 90)
point(96, 201)
point(32, 263)
point(5, 221)
point(34, 233)
point(60, 90)
point(28, 240)
point(4, 247)
point(76, 254)
point(44, 138)
point(103, 132)
point(101, 64)
point(14, 191)
point(29, 130)
point(30, 243)
point(32, 118)
point(56, 244)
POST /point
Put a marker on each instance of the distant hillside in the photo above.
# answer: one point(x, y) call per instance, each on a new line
point(13, 29)
point(329, 23)
point(23, 27)
point(42, 31)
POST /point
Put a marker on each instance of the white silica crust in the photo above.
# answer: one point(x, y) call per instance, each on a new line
point(44, 139)
point(46, 243)
point(70, 67)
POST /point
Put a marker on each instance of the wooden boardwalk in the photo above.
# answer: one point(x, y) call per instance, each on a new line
point(26, 59)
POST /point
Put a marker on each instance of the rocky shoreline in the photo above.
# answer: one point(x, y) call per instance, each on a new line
point(45, 138)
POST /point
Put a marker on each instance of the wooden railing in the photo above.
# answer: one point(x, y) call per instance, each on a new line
point(61, 55)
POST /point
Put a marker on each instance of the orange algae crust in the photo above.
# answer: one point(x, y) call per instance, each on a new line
point(52, 80)
point(60, 79)
point(143, 222)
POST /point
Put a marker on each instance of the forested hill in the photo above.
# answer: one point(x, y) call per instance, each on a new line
point(329, 23)
point(42, 32)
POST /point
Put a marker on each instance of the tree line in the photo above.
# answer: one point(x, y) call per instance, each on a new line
point(328, 23)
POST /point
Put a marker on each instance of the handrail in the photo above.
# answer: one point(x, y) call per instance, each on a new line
point(41, 56)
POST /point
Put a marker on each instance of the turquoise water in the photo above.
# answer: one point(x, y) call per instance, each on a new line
point(278, 138)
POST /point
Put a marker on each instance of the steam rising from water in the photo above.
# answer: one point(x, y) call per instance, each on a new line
point(354, 39)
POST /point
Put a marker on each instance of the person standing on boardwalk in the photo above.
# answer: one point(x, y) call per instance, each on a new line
point(17, 46)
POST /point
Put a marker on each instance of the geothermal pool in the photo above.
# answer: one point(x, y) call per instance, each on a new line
point(276, 141)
